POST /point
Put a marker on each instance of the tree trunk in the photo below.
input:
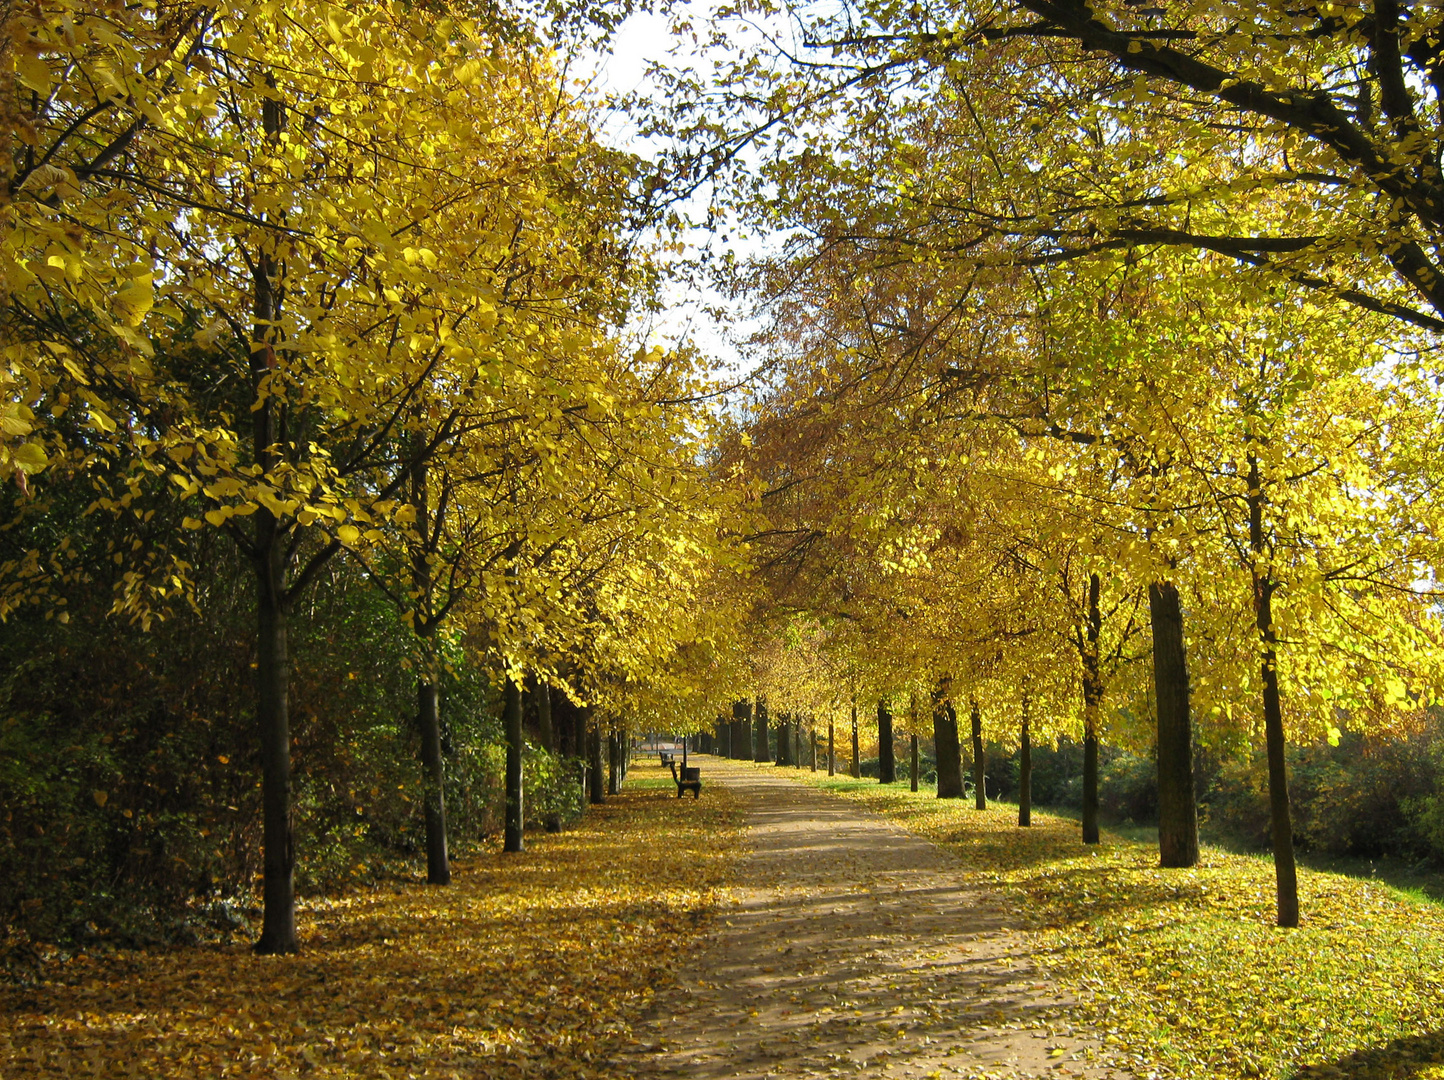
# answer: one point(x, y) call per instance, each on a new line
point(515, 741)
point(1025, 769)
point(913, 780)
point(596, 771)
point(945, 746)
point(763, 751)
point(886, 755)
point(278, 925)
point(831, 750)
point(1092, 700)
point(428, 721)
point(1177, 808)
point(784, 740)
point(742, 731)
point(1286, 881)
point(856, 771)
point(812, 737)
point(550, 738)
point(546, 729)
point(614, 764)
point(980, 779)
point(273, 673)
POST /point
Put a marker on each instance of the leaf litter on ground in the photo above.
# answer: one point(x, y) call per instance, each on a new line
point(531, 965)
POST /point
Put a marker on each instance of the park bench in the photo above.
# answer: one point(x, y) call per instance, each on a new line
point(667, 756)
point(690, 780)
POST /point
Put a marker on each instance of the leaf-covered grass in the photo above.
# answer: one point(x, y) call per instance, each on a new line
point(1184, 971)
point(529, 965)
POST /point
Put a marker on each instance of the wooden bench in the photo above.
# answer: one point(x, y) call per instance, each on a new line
point(667, 756)
point(690, 780)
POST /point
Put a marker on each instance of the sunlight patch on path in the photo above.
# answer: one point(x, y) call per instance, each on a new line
point(854, 946)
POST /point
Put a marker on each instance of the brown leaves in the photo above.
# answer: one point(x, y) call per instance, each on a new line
point(532, 965)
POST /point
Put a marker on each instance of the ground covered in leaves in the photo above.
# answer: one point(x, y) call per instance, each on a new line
point(530, 965)
point(1183, 970)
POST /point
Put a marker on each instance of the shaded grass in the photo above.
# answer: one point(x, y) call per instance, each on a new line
point(528, 965)
point(1183, 971)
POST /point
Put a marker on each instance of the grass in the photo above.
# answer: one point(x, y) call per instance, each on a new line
point(1184, 971)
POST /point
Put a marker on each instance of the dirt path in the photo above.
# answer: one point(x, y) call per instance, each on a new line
point(856, 946)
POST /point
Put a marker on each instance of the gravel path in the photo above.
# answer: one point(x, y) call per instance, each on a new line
point(856, 947)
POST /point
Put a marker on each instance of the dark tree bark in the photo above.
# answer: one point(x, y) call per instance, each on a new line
point(980, 791)
point(273, 716)
point(1025, 768)
point(812, 737)
point(1177, 806)
point(1092, 701)
point(1286, 880)
point(273, 663)
point(742, 731)
point(541, 693)
point(945, 745)
point(428, 721)
point(515, 742)
point(856, 771)
point(763, 750)
point(913, 779)
point(614, 768)
point(596, 770)
point(549, 736)
point(831, 749)
point(886, 752)
point(784, 740)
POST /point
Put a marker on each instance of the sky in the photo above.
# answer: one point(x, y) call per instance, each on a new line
point(643, 39)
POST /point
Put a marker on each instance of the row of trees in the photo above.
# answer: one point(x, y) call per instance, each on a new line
point(295, 298)
point(1077, 436)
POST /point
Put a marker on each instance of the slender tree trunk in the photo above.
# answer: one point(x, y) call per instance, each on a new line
point(812, 737)
point(784, 740)
point(1092, 700)
point(1025, 769)
point(547, 729)
point(980, 791)
point(278, 927)
point(614, 763)
point(886, 752)
point(856, 771)
point(763, 751)
point(945, 745)
point(1177, 807)
point(831, 750)
point(273, 673)
point(428, 721)
point(1286, 881)
point(596, 771)
point(515, 741)
point(913, 779)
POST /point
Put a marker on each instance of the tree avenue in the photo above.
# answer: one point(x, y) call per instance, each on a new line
point(358, 514)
